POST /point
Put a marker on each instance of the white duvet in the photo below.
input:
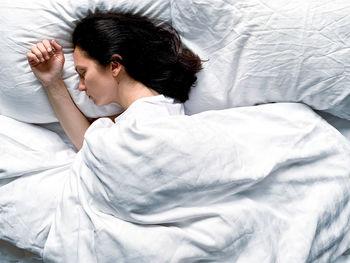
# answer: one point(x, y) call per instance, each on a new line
point(269, 183)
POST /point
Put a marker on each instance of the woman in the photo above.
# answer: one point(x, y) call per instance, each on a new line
point(120, 58)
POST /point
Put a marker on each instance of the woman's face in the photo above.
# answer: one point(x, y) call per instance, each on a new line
point(96, 80)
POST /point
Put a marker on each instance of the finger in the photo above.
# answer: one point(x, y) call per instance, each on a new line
point(48, 47)
point(43, 50)
point(32, 59)
point(56, 46)
point(37, 53)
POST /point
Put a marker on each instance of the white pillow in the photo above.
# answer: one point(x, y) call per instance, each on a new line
point(25, 22)
point(262, 51)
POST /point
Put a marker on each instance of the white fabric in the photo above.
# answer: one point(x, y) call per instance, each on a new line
point(33, 166)
point(257, 184)
point(24, 23)
point(257, 51)
point(342, 125)
point(149, 108)
point(261, 51)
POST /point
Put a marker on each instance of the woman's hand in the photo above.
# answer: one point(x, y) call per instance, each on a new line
point(46, 60)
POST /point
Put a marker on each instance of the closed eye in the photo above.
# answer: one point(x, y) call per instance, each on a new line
point(80, 71)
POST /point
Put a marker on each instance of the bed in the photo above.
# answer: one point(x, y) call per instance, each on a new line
point(257, 171)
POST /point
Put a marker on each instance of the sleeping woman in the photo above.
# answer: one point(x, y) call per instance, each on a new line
point(160, 194)
point(121, 58)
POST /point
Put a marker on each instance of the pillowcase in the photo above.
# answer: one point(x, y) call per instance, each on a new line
point(26, 22)
point(262, 51)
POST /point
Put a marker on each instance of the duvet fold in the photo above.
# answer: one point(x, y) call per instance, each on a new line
point(253, 184)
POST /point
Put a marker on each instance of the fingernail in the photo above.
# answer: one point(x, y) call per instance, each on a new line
point(49, 49)
point(47, 57)
point(42, 60)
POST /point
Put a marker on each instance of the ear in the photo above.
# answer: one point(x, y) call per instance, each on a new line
point(116, 66)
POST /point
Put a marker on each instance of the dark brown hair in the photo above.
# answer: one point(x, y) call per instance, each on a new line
point(152, 54)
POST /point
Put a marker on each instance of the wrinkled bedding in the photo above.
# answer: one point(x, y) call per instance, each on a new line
point(255, 52)
point(262, 51)
point(253, 184)
point(34, 162)
point(342, 125)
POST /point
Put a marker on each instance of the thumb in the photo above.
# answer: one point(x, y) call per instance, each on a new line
point(56, 46)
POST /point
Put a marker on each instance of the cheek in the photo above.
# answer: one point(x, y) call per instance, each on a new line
point(108, 84)
point(90, 82)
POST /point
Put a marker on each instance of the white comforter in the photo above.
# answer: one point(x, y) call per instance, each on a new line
point(269, 183)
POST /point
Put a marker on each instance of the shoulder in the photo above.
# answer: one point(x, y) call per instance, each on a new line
point(152, 107)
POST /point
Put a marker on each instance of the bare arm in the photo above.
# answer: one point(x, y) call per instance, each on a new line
point(72, 120)
point(47, 65)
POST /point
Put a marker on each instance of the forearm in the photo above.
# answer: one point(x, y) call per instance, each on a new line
point(72, 120)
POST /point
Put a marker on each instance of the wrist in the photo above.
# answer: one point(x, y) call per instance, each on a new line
point(58, 83)
point(57, 90)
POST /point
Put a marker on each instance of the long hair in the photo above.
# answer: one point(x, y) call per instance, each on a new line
point(152, 54)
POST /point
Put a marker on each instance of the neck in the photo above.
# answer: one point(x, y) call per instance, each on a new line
point(130, 90)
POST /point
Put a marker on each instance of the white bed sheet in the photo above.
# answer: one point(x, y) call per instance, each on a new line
point(283, 209)
point(342, 125)
point(253, 52)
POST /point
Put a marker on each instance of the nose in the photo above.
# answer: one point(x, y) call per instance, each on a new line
point(81, 86)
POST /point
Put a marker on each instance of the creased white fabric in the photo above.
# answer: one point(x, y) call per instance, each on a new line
point(255, 51)
point(34, 163)
point(262, 51)
point(257, 184)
